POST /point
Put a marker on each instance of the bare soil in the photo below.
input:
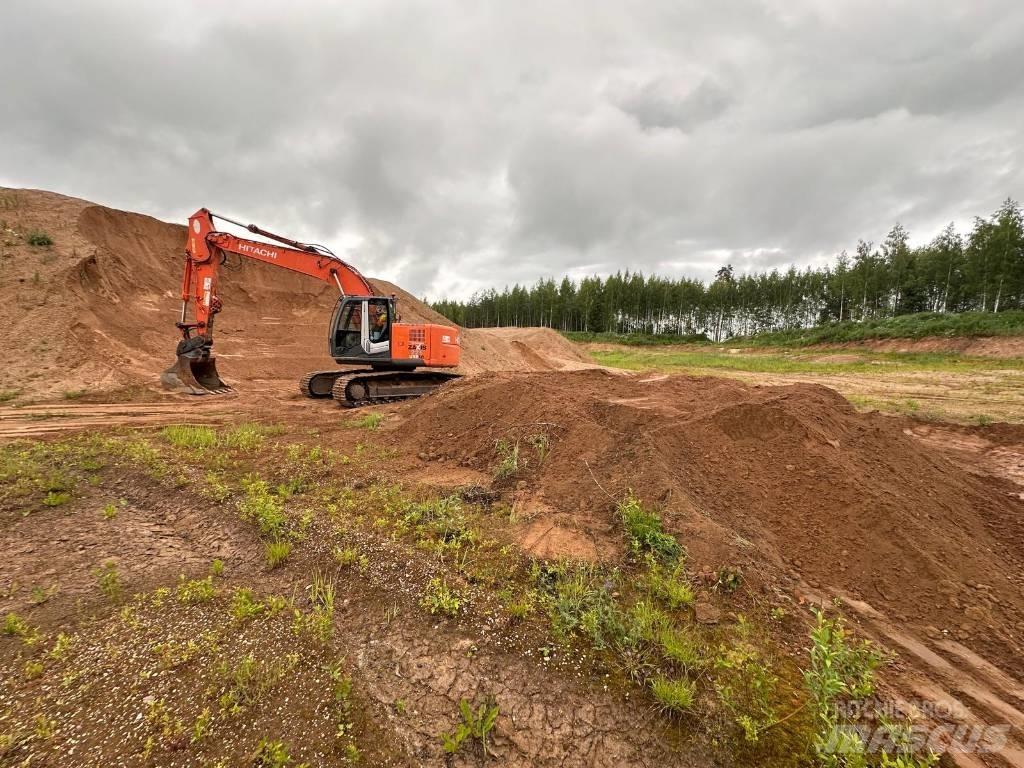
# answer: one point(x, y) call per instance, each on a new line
point(914, 530)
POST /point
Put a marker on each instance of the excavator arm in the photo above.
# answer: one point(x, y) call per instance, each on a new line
point(205, 251)
point(206, 248)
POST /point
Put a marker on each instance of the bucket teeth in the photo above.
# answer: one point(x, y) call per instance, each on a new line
point(194, 376)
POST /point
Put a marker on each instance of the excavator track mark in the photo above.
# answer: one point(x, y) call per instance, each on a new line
point(355, 388)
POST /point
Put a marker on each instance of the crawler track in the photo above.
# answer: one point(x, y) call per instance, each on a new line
point(355, 388)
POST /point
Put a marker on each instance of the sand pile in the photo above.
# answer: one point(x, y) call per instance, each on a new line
point(784, 478)
point(96, 310)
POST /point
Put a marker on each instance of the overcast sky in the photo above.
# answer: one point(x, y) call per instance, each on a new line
point(454, 146)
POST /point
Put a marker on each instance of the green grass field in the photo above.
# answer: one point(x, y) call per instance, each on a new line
point(863, 362)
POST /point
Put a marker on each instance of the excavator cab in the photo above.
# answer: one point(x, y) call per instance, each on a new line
point(361, 330)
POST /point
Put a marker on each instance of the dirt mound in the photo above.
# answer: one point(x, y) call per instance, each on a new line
point(779, 480)
point(96, 310)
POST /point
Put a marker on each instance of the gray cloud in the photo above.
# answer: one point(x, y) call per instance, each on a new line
point(453, 146)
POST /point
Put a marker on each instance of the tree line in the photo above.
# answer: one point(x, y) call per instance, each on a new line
point(982, 271)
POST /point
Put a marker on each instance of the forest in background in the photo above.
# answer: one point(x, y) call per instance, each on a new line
point(982, 271)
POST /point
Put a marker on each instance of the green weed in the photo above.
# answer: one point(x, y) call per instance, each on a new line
point(508, 459)
point(579, 601)
point(669, 586)
point(56, 498)
point(644, 532)
point(272, 754)
point(277, 551)
point(244, 605)
point(262, 507)
point(476, 724)
point(196, 590)
point(440, 598)
point(108, 579)
point(15, 626)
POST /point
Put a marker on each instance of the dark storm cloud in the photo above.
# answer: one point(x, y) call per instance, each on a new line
point(454, 146)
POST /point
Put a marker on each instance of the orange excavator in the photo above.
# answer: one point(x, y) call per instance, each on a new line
point(365, 329)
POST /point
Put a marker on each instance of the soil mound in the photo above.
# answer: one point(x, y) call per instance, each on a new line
point(96, 310)
point(774, 479)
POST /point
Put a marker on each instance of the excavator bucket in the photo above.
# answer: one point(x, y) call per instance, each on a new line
point(194, 376)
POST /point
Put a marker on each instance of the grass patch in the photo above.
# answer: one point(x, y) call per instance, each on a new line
point(721, 361)
point(644, 533)
point(263, 507)
point(674, 697)
point(277, 552)
point(371, 421)
point(6, 395)
point(249, 437)
point(189, 436)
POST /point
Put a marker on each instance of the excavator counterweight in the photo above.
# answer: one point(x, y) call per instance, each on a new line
point(365, 329)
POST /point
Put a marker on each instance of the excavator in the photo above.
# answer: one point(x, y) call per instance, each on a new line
point(365, 330)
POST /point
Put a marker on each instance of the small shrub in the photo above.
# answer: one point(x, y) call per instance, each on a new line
point(277, 551)
point(110, 511)
point(244, 605)
point(674, 697)
point(33, 669)
point(108, 579)
point(217, 568)
point(189, 436)
point(347, 556)
point(6, 395)
point(643, 530)
point(440, 598)
point(508, 459)
point(728, 579)
point(272, 754)
point(16, 626)
point(38, 239)
point(196, 591)
point(56, 498)
point(74, 394)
